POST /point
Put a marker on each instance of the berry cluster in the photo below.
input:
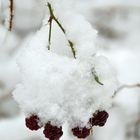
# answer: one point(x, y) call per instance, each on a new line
point(54, 132)
point(51, 132)
point(99, 119)
point(32, 122)
point(81, 132)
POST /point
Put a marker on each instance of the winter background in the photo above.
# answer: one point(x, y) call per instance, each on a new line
point(118, 26)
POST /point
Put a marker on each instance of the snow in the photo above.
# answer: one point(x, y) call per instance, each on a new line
point(15, 124)
point(75, 88)
point(59, 88)
point(122, 52)
point(8, 68)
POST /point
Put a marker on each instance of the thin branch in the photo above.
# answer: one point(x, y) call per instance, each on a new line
point(125, 86)
point(96, 77)
point(52, 17)
point(59, 24)
point(11, 14)
point(50, 33)
point(72, 48)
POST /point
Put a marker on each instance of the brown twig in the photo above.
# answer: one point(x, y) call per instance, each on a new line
point(11, 14)
point(126, 86)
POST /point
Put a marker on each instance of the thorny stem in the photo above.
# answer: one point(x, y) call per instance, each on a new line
point(11, 14)
point(52, 17)
point(126, 86)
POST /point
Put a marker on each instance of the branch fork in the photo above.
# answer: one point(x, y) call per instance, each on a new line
point(52, 17)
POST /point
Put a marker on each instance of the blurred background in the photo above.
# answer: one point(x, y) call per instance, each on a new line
point(118, 25)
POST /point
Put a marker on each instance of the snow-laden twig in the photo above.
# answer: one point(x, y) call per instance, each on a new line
point(126, 86)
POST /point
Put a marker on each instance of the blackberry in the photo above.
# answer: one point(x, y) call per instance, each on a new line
point(81, 132)
point(99, 119)
point(52, 132)
point(32, 122)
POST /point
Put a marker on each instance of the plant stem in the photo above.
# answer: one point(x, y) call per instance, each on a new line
point(52, 17)
point(63, 30)
point(96, 77)
point(72, 48)
point(50, 33)
point(126, 86)
point(11, 14)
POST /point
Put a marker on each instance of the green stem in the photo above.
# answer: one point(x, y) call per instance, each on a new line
point(96, 77)
point(50, 33)
point(72, 48)
point(52, 17)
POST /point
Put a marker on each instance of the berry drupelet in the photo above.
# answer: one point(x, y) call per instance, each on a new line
point(52, 132)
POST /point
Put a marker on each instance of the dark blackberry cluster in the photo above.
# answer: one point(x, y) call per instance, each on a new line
point(52, 132)
point(32, 122)
point(81, 132)
point(99, 119)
